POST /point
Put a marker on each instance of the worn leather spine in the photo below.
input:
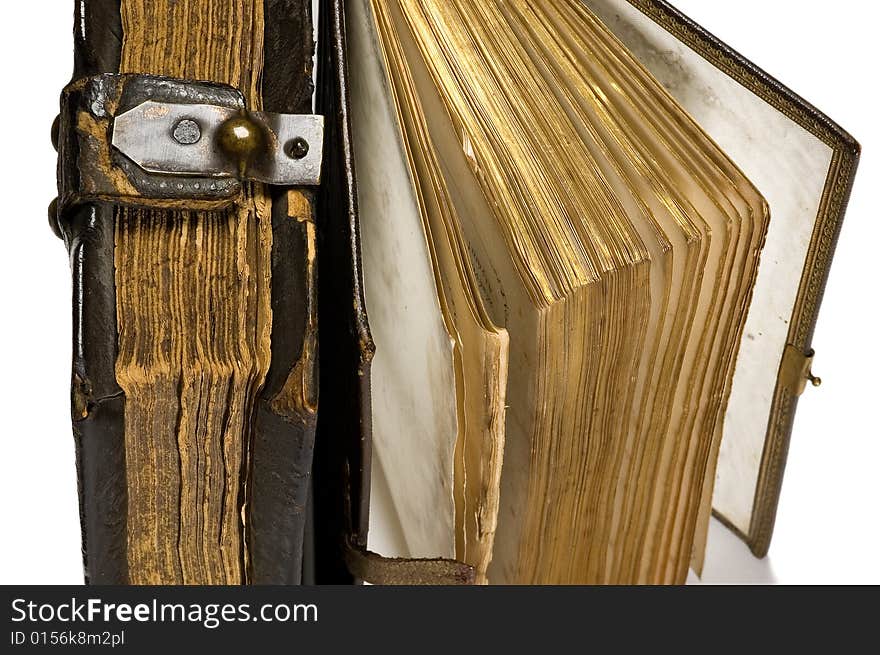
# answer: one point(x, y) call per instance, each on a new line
point(342, 456)
point(97, 402)
point(285, 412)
point(284, 432)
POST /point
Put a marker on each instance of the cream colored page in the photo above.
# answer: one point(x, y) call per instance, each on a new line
point(481, 347)
point(413, 385)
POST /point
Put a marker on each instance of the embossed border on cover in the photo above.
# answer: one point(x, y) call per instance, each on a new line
point(835, 198)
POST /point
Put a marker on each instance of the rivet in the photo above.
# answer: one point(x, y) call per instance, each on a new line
point(297, 148)
point(186, 132)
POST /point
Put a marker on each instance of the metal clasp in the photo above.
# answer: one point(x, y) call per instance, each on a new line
point(206, 140)
point(160, 142)
point(796, 370)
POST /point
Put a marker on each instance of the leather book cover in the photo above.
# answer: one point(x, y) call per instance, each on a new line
point(280, 429)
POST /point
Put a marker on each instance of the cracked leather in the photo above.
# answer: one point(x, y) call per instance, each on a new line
point(283, 444)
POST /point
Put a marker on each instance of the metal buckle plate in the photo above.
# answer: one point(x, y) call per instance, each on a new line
point(159, 142)
point(215, 141)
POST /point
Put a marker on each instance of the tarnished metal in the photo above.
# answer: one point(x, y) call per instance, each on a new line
point(297, 149)
point(795, 371)
point(231, 144)
point(284, 130)
point(241, 139)
point(155, 142)
point(53, 218)
point(56, 132)
point(187, 132)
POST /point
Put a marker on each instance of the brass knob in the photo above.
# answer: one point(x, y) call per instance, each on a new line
point(816, 382)
point(53, 219)
point(241, 139)
point(56, 131)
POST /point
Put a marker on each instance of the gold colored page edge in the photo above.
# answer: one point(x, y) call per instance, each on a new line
point(835, 198)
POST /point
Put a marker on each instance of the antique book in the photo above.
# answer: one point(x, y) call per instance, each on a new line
point(552, 267)
point(593, 255)
point(195, 319)
point(199, 150)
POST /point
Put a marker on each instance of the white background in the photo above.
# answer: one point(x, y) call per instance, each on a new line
point(828, 529)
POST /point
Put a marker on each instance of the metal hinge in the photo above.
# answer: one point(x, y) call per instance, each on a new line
point(166, 143)
point(796, 370)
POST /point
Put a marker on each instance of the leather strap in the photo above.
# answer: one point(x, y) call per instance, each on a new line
point(379, 570)
point(397, 571)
